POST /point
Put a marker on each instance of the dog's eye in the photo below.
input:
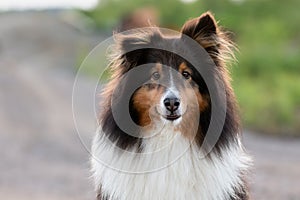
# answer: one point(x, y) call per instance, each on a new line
point(186, 75)
point(155, 75)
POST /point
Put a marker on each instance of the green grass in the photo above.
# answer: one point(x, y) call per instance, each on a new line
point(267, 76)
point(270, 104)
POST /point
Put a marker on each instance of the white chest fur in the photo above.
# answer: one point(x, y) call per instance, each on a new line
point(182, 173)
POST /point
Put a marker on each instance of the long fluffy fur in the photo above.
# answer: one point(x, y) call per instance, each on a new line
point(220, 175)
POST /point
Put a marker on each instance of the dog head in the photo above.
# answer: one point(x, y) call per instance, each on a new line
point(172, 91)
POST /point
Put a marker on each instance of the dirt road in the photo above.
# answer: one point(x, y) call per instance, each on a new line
point(41, 154)
point(276, 170)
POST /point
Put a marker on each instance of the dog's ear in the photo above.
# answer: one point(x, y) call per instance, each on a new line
point(204, 26)
point(211, 37)
point(133, 45)
point(130, 48)
point(205, 31)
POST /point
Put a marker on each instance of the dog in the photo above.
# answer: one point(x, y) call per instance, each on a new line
point(152, 128)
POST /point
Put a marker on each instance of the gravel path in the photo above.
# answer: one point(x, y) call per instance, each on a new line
point(276, 170)
point(41, 154)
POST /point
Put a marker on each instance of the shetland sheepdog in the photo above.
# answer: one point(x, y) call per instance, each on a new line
point(151, 142)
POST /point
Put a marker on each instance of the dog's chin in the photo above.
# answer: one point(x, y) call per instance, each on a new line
point(172, 120)
point(172, 117)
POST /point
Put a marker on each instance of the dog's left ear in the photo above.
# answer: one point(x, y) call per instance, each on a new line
point(204, 26)
point(205, 31)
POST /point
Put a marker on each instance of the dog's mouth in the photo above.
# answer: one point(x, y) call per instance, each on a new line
point(169, 116)
point(172, 117)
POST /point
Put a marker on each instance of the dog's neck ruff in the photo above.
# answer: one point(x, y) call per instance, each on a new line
point(181, 171)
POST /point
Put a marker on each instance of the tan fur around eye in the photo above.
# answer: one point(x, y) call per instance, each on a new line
point(143, 101)
point(183, 67)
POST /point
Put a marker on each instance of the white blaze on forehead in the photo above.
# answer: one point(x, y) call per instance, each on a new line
point(171, 89)
point(172, 83)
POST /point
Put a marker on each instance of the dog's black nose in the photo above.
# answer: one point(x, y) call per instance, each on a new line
point(172, 103)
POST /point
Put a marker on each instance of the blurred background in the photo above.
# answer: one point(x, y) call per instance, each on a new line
point(43, 43)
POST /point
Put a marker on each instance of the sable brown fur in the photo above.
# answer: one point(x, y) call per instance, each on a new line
point(205, 31)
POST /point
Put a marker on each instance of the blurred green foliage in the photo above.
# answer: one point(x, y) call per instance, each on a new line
point(267, 75)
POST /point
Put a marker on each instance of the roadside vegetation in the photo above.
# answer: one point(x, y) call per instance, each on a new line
point(266, 77)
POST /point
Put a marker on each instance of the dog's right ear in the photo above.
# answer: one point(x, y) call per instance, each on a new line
point(129, 48)
point(133, 45)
